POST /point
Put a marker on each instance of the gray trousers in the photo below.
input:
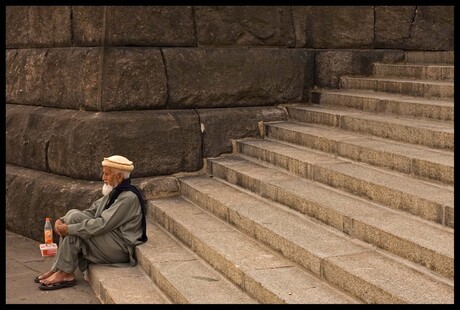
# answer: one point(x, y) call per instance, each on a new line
point(75, 252)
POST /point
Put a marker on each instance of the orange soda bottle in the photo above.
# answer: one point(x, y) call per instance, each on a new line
point(48, 231)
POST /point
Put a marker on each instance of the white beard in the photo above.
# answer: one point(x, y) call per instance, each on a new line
point(106, 189)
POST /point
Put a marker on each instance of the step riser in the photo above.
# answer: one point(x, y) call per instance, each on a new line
point(428, 210)
point(423, 73)
point(181, 275)
point(426, 137)
point(405, 88)
point(385, 106)
point(308, 260)
point(216, 259)
point(312, 262)
point(162, 282)
point(260, 284)
point(417, 167)
point(430, 57)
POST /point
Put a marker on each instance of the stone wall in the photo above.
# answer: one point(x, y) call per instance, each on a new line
point(168, 86)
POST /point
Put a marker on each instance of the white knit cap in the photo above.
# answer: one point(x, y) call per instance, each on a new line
point(118, 162)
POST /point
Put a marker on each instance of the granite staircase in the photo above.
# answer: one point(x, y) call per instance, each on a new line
point(349, 201)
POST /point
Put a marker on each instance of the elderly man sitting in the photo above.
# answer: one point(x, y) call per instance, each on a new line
point(105, 233)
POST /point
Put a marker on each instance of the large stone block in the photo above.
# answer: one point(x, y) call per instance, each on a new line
point(28, 132)
point(55, 77)
point(32, 195)
point(330, 65)
point(133, 78)
point(219, 126)
point(334, 26)
point(133, 26)
point(244, 26)
point(38, 26)
point(88, 25)
point(229, 77)
point(414, 27)
point(74, 143)
point(72, 78)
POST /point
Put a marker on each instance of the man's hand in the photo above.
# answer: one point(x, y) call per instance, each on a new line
point(56, 224)
point(61, 229)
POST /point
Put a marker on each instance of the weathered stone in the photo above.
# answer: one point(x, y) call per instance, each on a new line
point(37, 26)
point(225, 77)
point(150, 26)
point(433, 29)
point(244, 25)
point(32, 195)
point(219, 126)
point(73, 143)
point(133, 78)
point(392, 25)
point(414, 27)
point(55, 77)
point(88, 25)
point(28, 132)
point(331, 64)
point(334, 26)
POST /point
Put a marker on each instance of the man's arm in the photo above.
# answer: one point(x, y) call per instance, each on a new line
point(124, 209)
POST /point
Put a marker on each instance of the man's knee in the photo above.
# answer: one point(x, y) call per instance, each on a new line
point(75, 216)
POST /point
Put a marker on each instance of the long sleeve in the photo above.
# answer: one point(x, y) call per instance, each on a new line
point(123, 216)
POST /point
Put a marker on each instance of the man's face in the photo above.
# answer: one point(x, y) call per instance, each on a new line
point(110, 177)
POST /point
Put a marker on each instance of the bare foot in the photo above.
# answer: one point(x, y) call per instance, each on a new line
point(58, 277)
point(45, 275)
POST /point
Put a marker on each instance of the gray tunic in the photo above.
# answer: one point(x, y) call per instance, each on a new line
point(101, 236)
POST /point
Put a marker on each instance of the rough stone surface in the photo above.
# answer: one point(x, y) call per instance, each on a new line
point(330, 65)
point(219, 126)
point(414, 27)
point(37, 26)
point(88, 25)
point(32, 195)
point(54, 77)
point(72, 143)
point(224, 77)
point(334, 26)
point(244, 26)
point(150, 26)
point(133, 78)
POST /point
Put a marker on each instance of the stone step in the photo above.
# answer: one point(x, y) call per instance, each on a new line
point(124, 286)
point(419, 198)
point(429, 57)
point(258, 270)
point(379, 102)
point(420, 71)
point(291, 234)
point(431, 133)
point(182, 275)
point(419, 161)
point(408, 87)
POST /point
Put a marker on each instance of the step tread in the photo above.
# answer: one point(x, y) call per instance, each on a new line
point(446, 102)
point(125, 286)
point(400, 80)
point(195, 281)
point(371, 142)
point(256, 262)
point(427, 234)
point(443, 126)
point(414, 64)
point(396, 181)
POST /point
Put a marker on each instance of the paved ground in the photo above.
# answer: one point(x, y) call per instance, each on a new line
point(23, 263)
